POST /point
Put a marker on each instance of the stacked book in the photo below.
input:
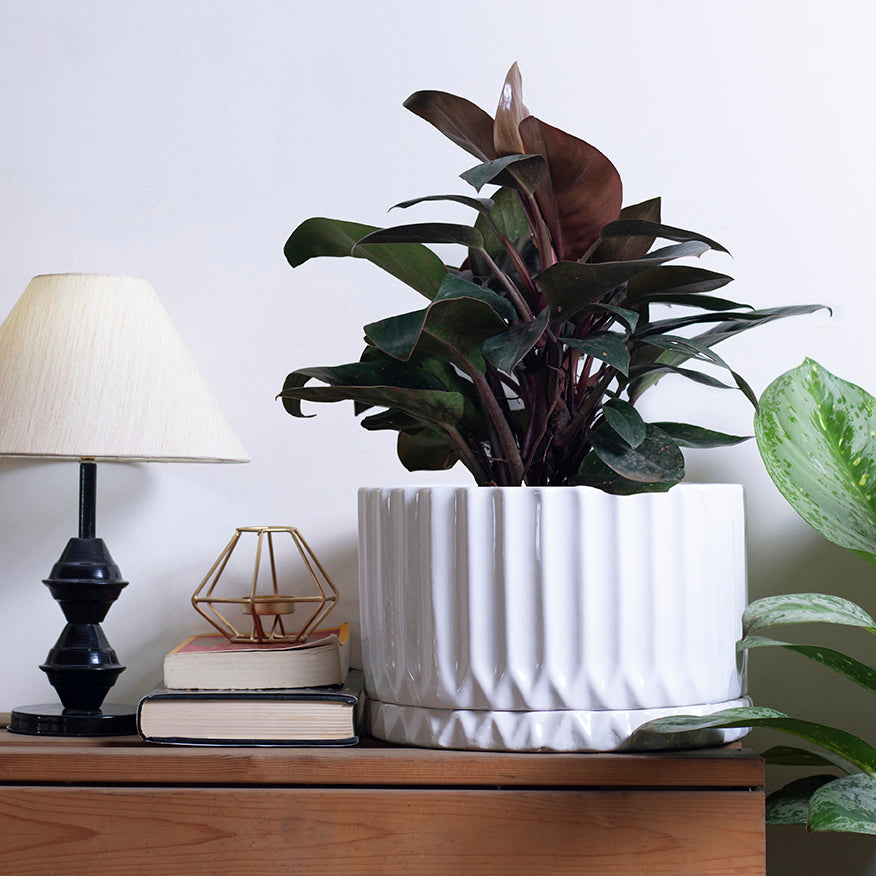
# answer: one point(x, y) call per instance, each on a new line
point(218, 692)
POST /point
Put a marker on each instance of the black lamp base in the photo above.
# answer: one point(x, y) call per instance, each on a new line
point(52, 719)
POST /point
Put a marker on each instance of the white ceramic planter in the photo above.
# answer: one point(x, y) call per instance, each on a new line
point(527, 618)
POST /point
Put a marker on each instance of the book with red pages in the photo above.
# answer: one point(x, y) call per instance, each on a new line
point(212, 662)
point(329, 715)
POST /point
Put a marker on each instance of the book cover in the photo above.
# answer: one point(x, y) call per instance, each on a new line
point(329, 715)
point(212, 662)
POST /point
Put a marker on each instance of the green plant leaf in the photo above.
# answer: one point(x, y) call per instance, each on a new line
point(482, 205)
point(512, 171)
point(413, 264)
point(462, 316)
point(851, 668)
point(581, 191)
point(732, 327)
point(628, 317)
point(507, 349)
point(856, 751)
point(629, 227)
point(721, 332)
point(455, 328)
point(593, 472)
point(639, 372)
point(506, 219)
point(390, 421)
point(682, 280)
point(706, 302)
point(790, 805)
point(694, 348)
point(817, 438)
point(846, 804)
point(686, 435)
point(426, 450)
point(440, 408)
point(383, 373)
point(625, 420)
point(608, 347)
point(621, 249)
point(803, 608)
point(657, 459)
point(569, 286)
point(423, 232)
point(458, 119)
point(789, 755)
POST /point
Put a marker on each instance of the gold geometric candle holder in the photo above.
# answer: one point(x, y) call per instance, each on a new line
point(268, 612)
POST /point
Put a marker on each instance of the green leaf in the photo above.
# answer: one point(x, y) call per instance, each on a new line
point(507, 219)
point(593, 472)
point(383, 373)
point(462, 316)
point(694, 348)
point(390, 421)
point(426, 450)
point(846, 804)
point(732, 327)
point(817, 436)
point(683, 280)
point(458, 119)
point(628, 317)
point(705, 302)
point(568, 285)
point(645, 228)
point(423, 232)
point(621, 249)
point(513, 171)
point(727, 329)
point(506, 350)
point(790, 805)
point(851, 668)
point(413, 264)
point(482, 205)
point(639, 372)
point(789, 755)
point(625, 420)
point(686, 435)
point(803, 608)
point(657, 459)
point(608, 347)
point(856, 751)
point(441, 408)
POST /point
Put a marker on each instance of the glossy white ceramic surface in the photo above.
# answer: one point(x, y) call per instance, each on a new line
point(557, 730)
point(544, 599)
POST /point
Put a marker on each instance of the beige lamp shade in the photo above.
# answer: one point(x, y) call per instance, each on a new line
point(92, 367)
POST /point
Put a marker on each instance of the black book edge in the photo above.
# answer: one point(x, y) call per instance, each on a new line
point(352, 691)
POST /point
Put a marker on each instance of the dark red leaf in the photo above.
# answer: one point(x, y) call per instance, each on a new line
point(581, 191)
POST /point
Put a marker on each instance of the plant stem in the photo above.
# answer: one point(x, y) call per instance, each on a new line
point(517, 299)
point(498, 425)
point(469, 459)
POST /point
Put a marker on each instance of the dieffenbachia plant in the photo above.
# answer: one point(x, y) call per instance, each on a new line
point(817, 436)
point(526, 361)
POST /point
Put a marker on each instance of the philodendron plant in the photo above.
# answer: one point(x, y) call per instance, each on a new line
point(526, 361)
point(817, 436)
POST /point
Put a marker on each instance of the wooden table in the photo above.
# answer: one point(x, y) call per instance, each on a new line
point(121, 807)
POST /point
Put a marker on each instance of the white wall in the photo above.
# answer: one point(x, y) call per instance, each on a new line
point(182, 140)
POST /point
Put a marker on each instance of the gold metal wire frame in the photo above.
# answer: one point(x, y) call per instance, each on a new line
point(263, 607)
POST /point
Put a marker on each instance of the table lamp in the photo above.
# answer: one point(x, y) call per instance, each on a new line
point(92, 370)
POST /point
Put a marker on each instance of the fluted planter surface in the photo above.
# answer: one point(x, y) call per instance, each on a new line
point(548, 618)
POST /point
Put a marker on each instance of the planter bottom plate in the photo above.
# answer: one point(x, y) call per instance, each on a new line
point(564, 730)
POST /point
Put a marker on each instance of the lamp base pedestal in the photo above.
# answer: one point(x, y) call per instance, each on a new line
point(52, 719)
